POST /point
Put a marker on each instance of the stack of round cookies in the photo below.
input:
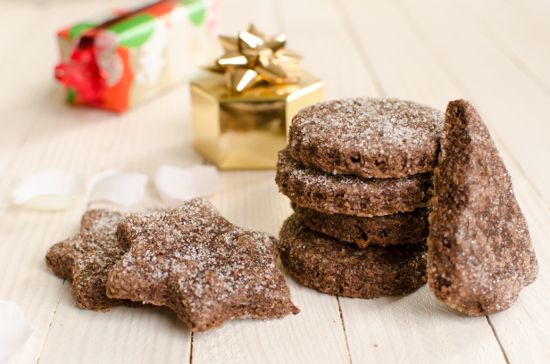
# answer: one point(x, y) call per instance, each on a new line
point(359, 175)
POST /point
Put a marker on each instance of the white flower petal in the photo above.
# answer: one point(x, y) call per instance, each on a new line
point(52, 189)
point(126, 189)
point(14, 329)
point(176, 184)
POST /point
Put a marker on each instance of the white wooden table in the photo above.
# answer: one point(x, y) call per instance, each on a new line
point(495, 53)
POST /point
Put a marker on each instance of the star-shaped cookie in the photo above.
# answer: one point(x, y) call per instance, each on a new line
point(204, 268)
point(86, 258)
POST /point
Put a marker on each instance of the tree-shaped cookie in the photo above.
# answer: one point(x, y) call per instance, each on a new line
point(479, 249)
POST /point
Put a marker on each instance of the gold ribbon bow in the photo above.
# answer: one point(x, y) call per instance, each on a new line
point(253, 57)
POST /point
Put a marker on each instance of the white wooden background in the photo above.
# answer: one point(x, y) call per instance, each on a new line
point(495, 53)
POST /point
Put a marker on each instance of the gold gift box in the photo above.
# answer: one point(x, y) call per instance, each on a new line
point(246, 130)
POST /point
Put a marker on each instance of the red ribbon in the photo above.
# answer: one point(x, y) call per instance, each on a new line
point(82, 72)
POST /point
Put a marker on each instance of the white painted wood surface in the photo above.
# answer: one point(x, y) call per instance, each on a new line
point(495, 53)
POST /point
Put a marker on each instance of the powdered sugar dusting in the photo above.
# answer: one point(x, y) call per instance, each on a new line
point(86, 258)
point(348, 194)
point(199, 264)
point(374, 138)
point(480, 252)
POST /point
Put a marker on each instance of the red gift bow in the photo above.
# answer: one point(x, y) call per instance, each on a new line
point(82, 72)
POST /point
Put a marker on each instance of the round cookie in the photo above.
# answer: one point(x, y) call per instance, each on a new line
point(372, 138)
point(338, 268)
point(350, 195)
point(402, 228)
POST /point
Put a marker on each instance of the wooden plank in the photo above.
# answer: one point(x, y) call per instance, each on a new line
point(251, 199)
point(17, 21)
point(416, 327)
point(524, 329)
point(385, 53)
point(33, 101)
point(25, 279)
point(86, 142)
point(505, 95)
point(483, 76)
point(505, 23)
point(403, 66)
point(321, 36)
point(17, 90)
point(139, 141)
point(122, 335)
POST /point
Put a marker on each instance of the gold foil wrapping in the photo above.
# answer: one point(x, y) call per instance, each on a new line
point(246, 130)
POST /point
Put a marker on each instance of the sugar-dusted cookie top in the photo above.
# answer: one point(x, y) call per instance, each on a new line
point(479, 250)
point(350, 195)
point(372, 138)
point(86, 258)
point(204, 268)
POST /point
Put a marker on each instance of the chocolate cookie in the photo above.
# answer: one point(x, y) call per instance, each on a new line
point(86, 258)
point(60, 257)
point(338, 268)
point(402, 228)
point(372, 138)
point(350, 195)
point(200, 265)
point(480, 253)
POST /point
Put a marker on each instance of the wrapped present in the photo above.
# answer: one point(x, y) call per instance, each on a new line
point(119, 62)
point(242, 107)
